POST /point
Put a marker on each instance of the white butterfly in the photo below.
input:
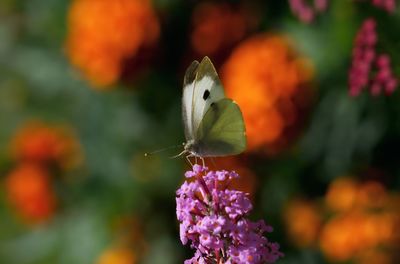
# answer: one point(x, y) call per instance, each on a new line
point(213, 124)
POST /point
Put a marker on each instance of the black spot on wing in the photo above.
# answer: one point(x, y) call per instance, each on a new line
point(206, 94)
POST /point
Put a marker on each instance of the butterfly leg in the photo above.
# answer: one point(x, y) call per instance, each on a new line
point(202, 159)
point(187, 158)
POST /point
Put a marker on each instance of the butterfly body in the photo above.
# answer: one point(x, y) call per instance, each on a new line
point(213, 124)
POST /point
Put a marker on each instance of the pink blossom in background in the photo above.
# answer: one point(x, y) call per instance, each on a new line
point(321, 5)
point(384, 79)
point(387, 5)
point(306, 12)
point(363, 56)
point(369, 69)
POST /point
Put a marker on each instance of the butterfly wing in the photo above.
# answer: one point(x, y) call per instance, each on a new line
point(222, 130)
point(207, 89)
point(187, 99)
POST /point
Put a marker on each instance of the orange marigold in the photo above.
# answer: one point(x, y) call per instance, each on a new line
point(29, 190)
point(345, 194)
point(303, 222)
point(349, 235)
point(39, 142)
point(218, 26)
point(266, 78)
point(102, 34)
point(342, 237)
point(342, 194)
point(366, 221)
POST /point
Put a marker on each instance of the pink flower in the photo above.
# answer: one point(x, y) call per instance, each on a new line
point(306, 12)
point(387, 5)
point(368, 70)
point(213, 220)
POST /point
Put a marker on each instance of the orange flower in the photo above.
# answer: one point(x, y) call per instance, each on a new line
point(342, 194)
point(38, 142)
point(303, 222)
point(345, 194)
point(217, 26)
point(265, 77)
point(367, 220)
point(117, 255)
point(351, 234)
point(105, 33)
point(29, 190)
point(341, 238)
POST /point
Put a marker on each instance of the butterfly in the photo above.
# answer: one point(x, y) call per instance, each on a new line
point(213, 124)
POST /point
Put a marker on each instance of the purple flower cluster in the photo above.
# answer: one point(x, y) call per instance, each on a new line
point(362, 73)
point(213, 219)
point(305, 12)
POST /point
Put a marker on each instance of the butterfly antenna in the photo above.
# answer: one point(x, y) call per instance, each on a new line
point(160, 150)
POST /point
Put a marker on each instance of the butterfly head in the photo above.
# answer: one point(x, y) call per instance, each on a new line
point(191, 147)
point(187, 149)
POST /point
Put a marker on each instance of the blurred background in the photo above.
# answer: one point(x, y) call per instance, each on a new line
point(88, 86)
